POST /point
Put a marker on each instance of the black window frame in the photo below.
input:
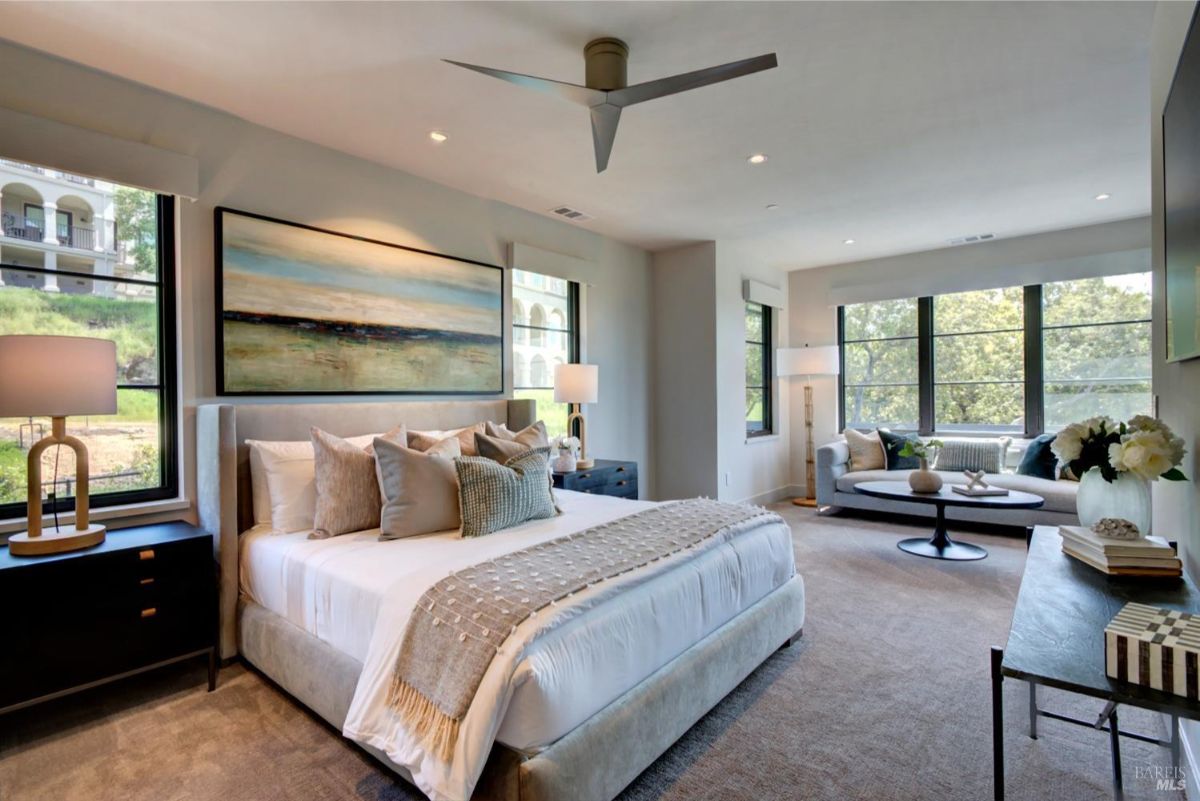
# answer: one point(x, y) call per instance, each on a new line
point(572, 330)
point(1033, 361)
point(166, 386)
point(768, 370)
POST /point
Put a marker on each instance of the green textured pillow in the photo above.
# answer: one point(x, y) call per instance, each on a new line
point(494, 496)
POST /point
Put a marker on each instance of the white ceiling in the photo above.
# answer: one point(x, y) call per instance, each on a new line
point(900, 125)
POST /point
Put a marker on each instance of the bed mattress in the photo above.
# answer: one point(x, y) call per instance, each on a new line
point(334, 588)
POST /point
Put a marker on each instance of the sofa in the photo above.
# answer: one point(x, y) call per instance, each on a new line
point(836, 481)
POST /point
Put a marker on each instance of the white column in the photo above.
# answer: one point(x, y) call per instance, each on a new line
point(50, 221)
point(100, 239)
point(50, 279)
point(103, 268)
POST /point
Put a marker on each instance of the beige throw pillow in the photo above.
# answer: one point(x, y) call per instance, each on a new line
point(500, 450)
point(347, 489)
point(533, 436)
point(419, 490)
point(424, 440)
point(866, 450)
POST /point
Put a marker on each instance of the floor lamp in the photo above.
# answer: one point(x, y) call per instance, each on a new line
point(808, 362)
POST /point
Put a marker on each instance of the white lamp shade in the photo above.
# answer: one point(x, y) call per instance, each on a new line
point(821, 360)
point(57, 376)
point(576, 383)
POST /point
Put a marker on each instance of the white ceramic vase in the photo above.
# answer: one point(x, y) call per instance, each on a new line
point(925, 480)
point(1127, 498)
point(565, 462)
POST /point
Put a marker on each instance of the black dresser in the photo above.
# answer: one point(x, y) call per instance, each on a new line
point(145, 597)
point(608, 477)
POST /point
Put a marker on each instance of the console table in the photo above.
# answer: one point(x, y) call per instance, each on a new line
point(1057, 639)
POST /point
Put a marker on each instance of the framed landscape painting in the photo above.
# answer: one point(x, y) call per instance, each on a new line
point(305, 311)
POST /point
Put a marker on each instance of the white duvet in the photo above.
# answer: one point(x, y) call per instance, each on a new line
point(357, 593)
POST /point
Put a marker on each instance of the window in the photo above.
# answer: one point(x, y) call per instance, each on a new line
point(879, 364)
point(1096, 346)
point(545, 313)
point(1021, 359)
point(107, 272)
point(978, 361)
point(759, 372)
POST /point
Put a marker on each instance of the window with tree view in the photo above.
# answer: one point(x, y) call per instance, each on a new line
point(879, 372)
point(545, 313)
point(1019, 359)
point(759, 372)
point(104, 269)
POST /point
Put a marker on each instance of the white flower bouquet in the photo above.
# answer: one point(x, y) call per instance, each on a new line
point(1144, 446)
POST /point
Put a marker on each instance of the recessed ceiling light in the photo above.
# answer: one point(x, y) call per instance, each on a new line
point(1103, 196)
point(757, 158)
point(438, 136)
point(772, 206)
point(847, 241)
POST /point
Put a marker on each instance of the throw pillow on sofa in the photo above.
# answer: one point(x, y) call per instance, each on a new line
point(987, 455)
point(1039, 461)
point(892, 445)
point(866, 450)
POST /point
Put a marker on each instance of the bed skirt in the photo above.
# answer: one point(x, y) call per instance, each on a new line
point(597, 759)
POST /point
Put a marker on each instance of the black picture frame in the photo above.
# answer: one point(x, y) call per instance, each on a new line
point(219, 213)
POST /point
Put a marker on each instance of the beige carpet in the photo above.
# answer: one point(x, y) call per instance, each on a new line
point(887, 697)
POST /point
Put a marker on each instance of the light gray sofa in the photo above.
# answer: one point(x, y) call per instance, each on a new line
point(835, 491)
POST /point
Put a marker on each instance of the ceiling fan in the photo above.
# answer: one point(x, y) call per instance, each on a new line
point(605, 91)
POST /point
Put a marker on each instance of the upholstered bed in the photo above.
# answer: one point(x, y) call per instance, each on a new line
point(587, 713)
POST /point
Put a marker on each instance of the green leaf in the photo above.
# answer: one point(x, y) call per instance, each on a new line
point(1174, 474)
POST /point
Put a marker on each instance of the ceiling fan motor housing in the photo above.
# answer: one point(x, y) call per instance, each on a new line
point(605, 64)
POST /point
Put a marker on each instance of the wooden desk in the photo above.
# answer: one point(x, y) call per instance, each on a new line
point(1057, 639)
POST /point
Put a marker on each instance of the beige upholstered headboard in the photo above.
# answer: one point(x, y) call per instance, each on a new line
point(223, 461)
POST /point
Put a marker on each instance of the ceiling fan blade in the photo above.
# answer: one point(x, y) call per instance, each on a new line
point(568, 91)
point(639, 93)
point(604, 132)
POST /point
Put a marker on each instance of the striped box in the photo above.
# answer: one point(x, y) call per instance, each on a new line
point(1159, 648)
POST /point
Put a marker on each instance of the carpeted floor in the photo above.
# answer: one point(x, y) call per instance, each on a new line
point(886, 697)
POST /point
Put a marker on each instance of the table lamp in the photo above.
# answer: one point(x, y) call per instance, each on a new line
point(808, 361)
point(577, 384)
point(50, 376)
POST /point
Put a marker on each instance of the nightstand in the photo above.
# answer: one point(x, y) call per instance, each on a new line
point(144, 598)
point(608, 477)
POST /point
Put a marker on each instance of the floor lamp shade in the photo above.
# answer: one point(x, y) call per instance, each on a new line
point(577, 384)
point(55, 377)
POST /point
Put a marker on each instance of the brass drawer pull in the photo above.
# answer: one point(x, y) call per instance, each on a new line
point(620, 469)
point(146, 582)
point(151, 612)
point(146, 554)
point(622, 483)
point(585, 475)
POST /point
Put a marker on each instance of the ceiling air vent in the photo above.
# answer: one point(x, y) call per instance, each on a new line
point(575, 215)
point(970, 240)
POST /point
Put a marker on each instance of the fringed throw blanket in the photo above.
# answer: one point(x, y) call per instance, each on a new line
point(460, 622)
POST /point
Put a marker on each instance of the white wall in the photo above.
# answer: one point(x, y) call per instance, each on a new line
point(814, 295)
point(1176, 386)
point(248, 167)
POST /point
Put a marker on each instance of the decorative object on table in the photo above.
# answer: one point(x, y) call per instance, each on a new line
point(808, 361)
point(577, 384)
point(1116, 462)
point(923, 479)
point(1154, 647)
point(976, 486)
point(309, 311)
point(565, 461)
point(1121, 556)
point(60, 376)
point(1116, 528)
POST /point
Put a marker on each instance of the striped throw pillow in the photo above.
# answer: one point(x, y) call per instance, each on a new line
point(973, 454)
point(494, 496)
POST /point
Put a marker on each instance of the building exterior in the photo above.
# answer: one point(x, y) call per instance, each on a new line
point(60, 223)
point(540, 328)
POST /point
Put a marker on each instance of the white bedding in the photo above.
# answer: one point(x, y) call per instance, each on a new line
point(336, 588)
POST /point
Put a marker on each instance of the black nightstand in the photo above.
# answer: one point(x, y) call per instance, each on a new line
point(608, 477)
point(143, 598)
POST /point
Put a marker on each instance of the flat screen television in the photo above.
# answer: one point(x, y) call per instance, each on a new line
point(1181, 195)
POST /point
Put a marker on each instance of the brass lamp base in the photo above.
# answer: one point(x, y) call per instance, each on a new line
point(810, 502)
point(585, 464)
point(56, 539)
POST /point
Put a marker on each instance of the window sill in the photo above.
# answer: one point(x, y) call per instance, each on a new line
point(763, 438)
point(13, 525)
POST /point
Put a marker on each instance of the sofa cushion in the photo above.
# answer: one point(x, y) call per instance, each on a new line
point(892, 445)
point(973, 454)
point(1059, 495)
point(866, 450)
point(1039, 460)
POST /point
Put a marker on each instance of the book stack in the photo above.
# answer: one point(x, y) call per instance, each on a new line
point(979, 492)
point(1144, 556)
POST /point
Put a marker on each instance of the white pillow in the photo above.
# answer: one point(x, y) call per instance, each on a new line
point(283, 480)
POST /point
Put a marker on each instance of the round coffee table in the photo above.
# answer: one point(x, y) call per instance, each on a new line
point(940, 546)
